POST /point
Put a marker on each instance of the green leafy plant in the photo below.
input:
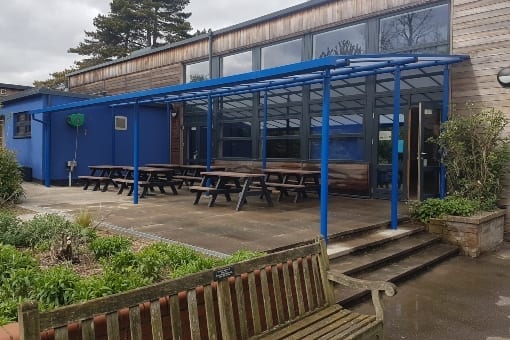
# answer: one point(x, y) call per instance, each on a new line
point(55, 286)
point(11, 190)
point(451, 205)
point(104, 247)
point(475, 153)
point(10, 229)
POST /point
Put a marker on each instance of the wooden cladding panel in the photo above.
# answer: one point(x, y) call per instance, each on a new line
point(330, 14)
point(480, 29)
point(344, 178)
point(333, 13)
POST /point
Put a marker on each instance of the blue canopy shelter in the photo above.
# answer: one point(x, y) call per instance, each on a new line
point(318, 71)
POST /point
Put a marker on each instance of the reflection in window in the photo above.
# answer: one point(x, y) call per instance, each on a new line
point(22, 125)
point(239, 129)
point(197, 72)
point(282, 54)
point(346, 148)
point(338, 125)
point(414, 30)
point(344, 41)
point(237, 148)
point(283, 148)
point(237, 63)
point(282, 127)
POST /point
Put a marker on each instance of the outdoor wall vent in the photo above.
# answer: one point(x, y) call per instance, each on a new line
point(504, 76)
point(120, 123)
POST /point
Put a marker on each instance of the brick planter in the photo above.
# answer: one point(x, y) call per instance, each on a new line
point(475, 234)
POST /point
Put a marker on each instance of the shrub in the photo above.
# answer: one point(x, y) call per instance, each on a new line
point(175, 255)
point(55, 286)
point(45, 231)
point(451, 205)
point(476, 153)
point(12, 259)
point(241, 255)
point(104, 247)
point(10, 232)
point(195, 266)
point(11, 189)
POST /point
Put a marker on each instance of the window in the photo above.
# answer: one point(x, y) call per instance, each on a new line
point(22, 125)
point(343, 41)
point(236, 126)
point(197, 72)
point(237, 63)
point(120, 123)
point(282, 54)
point(424, 31)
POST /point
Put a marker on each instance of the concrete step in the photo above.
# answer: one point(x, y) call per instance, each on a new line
point(375, 257)
point(373, 238)
point(397, 270)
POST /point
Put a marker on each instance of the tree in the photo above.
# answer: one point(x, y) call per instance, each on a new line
point(57, 80)
point(132, 25)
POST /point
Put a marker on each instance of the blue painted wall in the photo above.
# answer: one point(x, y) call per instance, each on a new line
point(95, 142)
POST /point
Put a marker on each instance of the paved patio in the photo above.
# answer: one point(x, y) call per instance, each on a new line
point(218, 229)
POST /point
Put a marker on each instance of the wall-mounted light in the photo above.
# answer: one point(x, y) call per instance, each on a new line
point(504, 76)
point(174, 114)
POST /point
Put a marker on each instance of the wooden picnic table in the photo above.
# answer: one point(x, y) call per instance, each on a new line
point(105, 174)
point(297, 180)
point(226, 182)
point(148, 178)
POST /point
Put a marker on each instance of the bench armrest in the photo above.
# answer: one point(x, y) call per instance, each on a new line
point(375, 287)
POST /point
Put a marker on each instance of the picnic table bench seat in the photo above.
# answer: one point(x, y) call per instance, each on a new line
point(187, 180)
point(145, 185)
point(282, 295)
point(96, 180)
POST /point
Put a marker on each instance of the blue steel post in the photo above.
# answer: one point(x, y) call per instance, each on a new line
point(394, 150)
point(169, 115)
point(114, 161)
point(325, 154)
point(264, 134)
point(136, 151)
point(47, 149)
point(444, 118)
point(209, 132)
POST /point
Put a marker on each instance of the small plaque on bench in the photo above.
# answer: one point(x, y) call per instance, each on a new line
point(223, 273)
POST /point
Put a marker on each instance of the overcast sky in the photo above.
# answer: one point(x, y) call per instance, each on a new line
point(36, 34)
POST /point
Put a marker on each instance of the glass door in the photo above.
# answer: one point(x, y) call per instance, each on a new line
point(197, 144)
point(382, 146)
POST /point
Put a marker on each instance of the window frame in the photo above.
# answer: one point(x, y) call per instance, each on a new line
point(19, 123)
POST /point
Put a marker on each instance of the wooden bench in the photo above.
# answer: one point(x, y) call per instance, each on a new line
point(97, 180)
point(187, 180)
point(284, 188)
point(282, 295)
point(146, 185)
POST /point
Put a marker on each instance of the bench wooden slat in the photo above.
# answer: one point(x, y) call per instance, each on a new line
point(193, 314)
point(285, 185)
point(61, 333)
point(308, 285)
point(209, 312)
point(175, 316)
point(254, 303)
point(135, 323)
point(112, 326)
point(317, 282)
point(286, 330)
point(349, 329)
point(241, 307)
point(157, 326)
point(277, 294)
point(228, 330)
point(87, 329)
point(321, 328)
point(299, 290)
point(372, 330)
point(266, 298)
point(288, 291)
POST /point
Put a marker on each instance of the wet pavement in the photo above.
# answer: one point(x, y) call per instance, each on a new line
point(461, 298)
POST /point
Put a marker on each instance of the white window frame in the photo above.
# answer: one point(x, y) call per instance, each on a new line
point(121, 123)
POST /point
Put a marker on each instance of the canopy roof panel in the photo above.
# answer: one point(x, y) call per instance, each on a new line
point(298, 74)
